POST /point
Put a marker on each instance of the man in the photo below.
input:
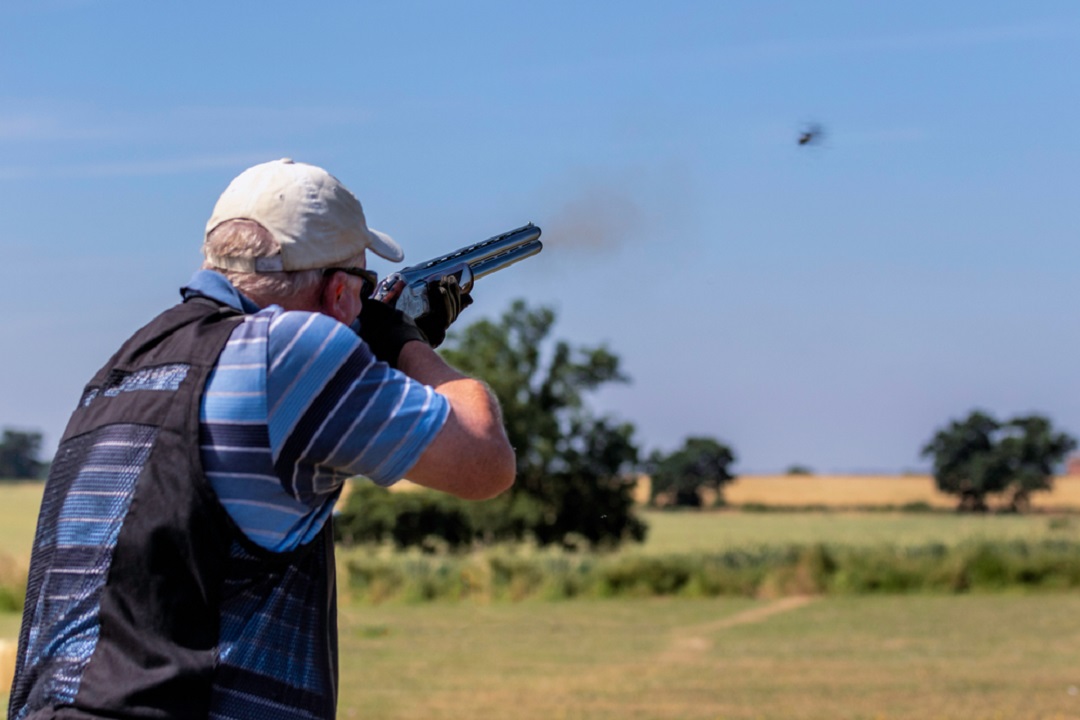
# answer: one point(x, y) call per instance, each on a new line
point(183, 565)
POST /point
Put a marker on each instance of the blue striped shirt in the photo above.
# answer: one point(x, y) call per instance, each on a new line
point(296, 405)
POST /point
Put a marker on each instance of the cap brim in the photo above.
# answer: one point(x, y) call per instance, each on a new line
point(384, 246)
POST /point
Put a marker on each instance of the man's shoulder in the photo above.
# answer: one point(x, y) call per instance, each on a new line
point(302, 325)
point(294, 337)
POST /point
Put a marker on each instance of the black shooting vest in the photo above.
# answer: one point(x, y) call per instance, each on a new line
point(144, 599)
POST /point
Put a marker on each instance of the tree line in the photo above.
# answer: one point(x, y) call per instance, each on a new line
point(577, 470)
point(20, 455)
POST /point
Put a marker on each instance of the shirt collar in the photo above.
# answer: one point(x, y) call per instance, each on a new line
point(214, 285)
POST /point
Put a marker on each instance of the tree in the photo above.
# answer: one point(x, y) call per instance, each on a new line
point(1032, 449)
point(19, 455)
point(572, 467)
point(980, 455)
point(701, 464)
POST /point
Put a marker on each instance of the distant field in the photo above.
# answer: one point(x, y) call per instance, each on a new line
point(872, 490)
point(967, 657)
point(855, 491)
point(19, 502)
point(685, 531)
point(835, 490)
point(681, 531)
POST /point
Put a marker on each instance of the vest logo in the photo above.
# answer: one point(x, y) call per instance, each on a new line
point(163, 377)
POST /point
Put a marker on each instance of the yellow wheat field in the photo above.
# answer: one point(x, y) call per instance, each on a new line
point(849, 491)
point(7, 664)
point(873, 491)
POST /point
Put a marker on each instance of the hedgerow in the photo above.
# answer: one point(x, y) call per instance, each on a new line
point(514, 574)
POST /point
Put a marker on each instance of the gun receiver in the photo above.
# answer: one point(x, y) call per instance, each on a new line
point(468, 264)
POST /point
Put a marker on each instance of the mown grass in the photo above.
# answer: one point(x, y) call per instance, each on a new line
point(19, 503)
point(989, 657)
point(886, 658)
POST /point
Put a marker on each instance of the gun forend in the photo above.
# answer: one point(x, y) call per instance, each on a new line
point(468, 264)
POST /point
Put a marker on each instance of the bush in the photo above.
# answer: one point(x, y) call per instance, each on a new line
point(12, 585)
point(427, 520)
point(523, 573)
point(885, 571)
point(643, 576)
point(432, 521)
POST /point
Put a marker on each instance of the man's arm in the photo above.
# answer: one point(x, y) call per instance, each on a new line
point(471, 456)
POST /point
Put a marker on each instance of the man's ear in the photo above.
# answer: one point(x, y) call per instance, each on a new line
point(335, 300)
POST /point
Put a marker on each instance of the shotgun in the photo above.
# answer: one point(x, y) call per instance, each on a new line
point(469, 264)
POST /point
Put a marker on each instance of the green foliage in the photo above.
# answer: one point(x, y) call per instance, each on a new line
point(798, 470)
point(500, 574)
point(11, 598)
point(437, 522)
point(643, 576)
point(19, 455)
point(424, 519)
point(572, 484)
point(12, 585)
point(700, 464)
point(813, 569)
point(980, 455)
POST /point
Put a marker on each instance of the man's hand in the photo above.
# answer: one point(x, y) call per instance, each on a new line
point(446, 301)
point(387, 330)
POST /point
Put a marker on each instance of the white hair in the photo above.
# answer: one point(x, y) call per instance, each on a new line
point(249, 239)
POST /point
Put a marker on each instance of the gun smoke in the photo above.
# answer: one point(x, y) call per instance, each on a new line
point(600, 219)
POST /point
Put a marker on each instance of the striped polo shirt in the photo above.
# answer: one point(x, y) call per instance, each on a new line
point(296, 405)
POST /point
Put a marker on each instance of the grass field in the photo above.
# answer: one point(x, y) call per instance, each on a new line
point(19, 504)
point(912, 658)
point(967, 658)
point(678, 531)
point(977, 657)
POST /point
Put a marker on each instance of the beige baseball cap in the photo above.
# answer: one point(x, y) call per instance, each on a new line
point(314, 218)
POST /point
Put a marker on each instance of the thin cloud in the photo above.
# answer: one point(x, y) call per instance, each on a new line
point(884, 136)
point(36, 122)
point(31, 125)
point(45, 6)
point(921, 41)
point(138, 168)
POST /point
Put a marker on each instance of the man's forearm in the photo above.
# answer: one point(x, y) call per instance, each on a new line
point(421, 363)
point(471, 457)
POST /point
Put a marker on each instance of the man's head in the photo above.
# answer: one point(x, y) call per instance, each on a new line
point(277, 228)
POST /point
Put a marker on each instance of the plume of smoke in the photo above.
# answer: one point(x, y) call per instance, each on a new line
point(598, 219)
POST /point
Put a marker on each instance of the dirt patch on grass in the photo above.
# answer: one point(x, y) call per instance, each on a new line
point(692, 641)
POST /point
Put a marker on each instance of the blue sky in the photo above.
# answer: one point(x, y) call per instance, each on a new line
point(828, 305)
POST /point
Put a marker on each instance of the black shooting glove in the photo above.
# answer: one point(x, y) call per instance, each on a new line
point(386, 330)
point(445, 303)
